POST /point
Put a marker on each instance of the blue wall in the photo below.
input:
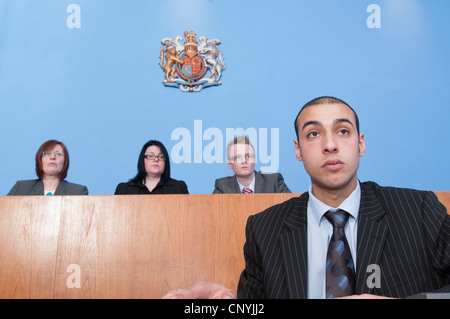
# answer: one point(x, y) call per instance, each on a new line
point(90, 78)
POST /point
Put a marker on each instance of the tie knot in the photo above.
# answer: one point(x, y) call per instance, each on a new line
point(338, 218)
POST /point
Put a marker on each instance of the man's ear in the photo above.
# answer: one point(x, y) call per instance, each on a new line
point(298, 153)
point(362, 145)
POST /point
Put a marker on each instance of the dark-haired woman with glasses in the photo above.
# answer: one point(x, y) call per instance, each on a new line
point(153, 175)
point(52, 164)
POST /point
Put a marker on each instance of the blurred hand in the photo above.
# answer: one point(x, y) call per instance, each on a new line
point(202, 290)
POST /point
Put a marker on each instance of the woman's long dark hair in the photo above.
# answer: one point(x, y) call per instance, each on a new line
point(140, 177)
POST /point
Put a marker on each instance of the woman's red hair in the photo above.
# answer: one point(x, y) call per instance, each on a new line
point(46, 147)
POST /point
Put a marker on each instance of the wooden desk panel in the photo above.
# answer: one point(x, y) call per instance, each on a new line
point(125, 246)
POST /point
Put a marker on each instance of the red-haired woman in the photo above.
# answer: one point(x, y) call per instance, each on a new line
point(52, 164)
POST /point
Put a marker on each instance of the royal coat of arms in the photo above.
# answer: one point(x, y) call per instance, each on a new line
point(191, 67)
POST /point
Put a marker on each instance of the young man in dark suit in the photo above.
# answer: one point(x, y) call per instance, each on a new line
point(402, 235)
point(241, 159)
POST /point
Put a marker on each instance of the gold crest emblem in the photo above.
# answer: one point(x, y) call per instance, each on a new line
point(191, 62)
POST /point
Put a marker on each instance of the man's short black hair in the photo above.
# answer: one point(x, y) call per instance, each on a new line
point(325, 100)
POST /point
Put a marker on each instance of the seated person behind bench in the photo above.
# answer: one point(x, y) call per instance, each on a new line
point(241, 159)
point(52, 164)
point(153, 175)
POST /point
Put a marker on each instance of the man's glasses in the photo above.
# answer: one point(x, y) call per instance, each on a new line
point(241, 158)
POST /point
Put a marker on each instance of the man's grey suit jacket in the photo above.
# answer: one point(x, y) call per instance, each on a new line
point(264, 183)
point(403, 231)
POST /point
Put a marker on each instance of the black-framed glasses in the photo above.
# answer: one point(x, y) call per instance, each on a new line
point(160, 157)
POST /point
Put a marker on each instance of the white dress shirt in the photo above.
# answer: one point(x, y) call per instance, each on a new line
point(319, 235)
point(251, 186)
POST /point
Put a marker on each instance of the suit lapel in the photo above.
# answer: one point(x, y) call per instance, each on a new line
point(259, 183)
point(371, 236)
point(234, 185)
point(294, 250)
point(38, 188)
point(62, 188)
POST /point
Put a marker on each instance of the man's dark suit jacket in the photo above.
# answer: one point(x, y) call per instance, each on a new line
point(405, 232)
point(36, 187)
point(264, 183)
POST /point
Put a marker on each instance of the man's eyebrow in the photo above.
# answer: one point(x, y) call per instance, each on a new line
point(335, 122)
point(343, 120)
point(316, 123)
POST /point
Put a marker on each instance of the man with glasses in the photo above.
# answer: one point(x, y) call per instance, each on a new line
point(241, 159)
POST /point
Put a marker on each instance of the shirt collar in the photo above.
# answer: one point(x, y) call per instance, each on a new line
point(251, 186)
point(350, 204)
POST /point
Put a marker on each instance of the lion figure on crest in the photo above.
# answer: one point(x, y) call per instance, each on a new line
point(171, 59)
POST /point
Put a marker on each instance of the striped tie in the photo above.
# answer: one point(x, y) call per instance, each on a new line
point(247, 190)
point(340, 268)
